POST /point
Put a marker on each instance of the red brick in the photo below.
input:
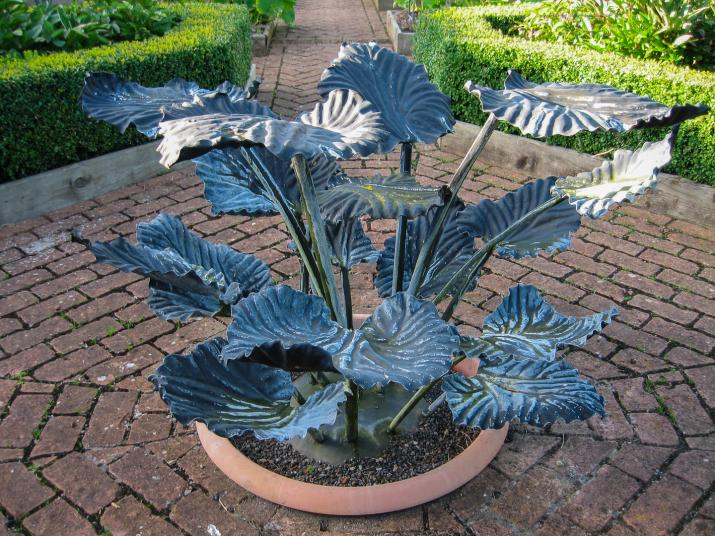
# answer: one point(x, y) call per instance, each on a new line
point(644, 284)
point(698, 527)
point(579, 456)
point(109, 419)
point(26, 411)
point(690, 283)
point(141, 333)
point(16, 301)
point(82, 482)
point(654, 429)
point(635, 338)
point(696, 467)
point(655, 243)
point(693, 229)
point(58, 436)
point(592, 367)
point(30, 337)
point(614, 425)
point(64, 283)
point(129, 517)
point(26, 360)
point(71, 263)
point(517, 457)
point(20, 490)
point(617, 244)
point(629, 315)
point(108, 283)
point(147, 475)
point(593, 506)
point(690, 416)
point(47, 308)
point(585, 264)
point(70, 365)
point(9, 325)
point(693, 301)
point(632, 395)
point(100, 307)
point(7, 388)
point(662, 506)
point(120, 367)
point(703, 245)
point(704, 380)
point(58, 517)
point(669, 261)
point(196, 512)
point(149, 427)
point(30, 262)
point(551, 286)
point(25, 280)
point(89, 333)
point(640, 461)
point(189, 335)
point(629, 263)
point(596, 284)
point(675, 332)
point(74, 400)
point(686, 358)
point(700, 257)
point(665, 310)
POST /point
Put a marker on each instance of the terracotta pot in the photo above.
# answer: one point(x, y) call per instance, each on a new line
point(355, 501)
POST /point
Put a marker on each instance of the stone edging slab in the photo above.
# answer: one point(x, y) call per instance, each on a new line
point(675, 196)
point(51, 190)
point(261, 38)
point(401, 41)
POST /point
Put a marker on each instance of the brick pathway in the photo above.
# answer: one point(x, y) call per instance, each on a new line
point(87, 448)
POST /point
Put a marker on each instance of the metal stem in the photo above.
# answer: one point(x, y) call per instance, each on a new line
point(398, 268)
point(427, 252)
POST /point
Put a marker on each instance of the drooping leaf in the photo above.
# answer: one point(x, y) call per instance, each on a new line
point(190, 276)
point(380, 198)
point(454, 248)
point(628, 175)
point(413, 109)
point(231, 185)
point(340, 127)
point(566, 109)
point(550, 231)
point(528, 327)
point(526, 390)
point(404, 341)
point(239, 396)
point(350, 244)
point(121, 102)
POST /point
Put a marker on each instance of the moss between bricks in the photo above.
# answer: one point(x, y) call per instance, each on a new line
point(473, 43)
point(43, 126)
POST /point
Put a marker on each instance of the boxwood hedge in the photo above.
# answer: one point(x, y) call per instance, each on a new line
point(42, 124)
point(475, 44)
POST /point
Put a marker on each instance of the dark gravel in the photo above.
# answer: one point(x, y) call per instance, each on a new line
point(436, 441)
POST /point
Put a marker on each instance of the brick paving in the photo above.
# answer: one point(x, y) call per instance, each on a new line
point(86, 447)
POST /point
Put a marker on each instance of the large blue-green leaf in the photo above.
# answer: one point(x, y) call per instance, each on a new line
point(454, 248)
point(350, 244)
point(627, 176)
point(528, 327)
point(560, 108)
point(404, 341)
point(189, 276)
point(413, 109)
point(239, 396)
point(526, 390)
point(380, 197)
point(340, 127)
point(550, 231)
point(232, 187)
point(121, 102)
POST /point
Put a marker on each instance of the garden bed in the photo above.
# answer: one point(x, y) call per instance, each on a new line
point(473, 43)
point(49, 130)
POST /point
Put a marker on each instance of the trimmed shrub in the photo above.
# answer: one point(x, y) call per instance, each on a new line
point(43, 126)
point(475, 44)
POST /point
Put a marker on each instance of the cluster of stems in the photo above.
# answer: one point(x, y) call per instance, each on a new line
point(316, 267)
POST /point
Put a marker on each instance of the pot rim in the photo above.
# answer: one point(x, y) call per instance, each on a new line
point(357, 500)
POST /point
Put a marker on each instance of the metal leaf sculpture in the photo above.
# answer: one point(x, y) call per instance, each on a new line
point(552, 108)
point(340, 127)
point(404, 341)
point(379, 198)
point(550, 231)
point(188, 275)
point(121, 102)
point(239, 396)
point(231, 185)
point(526, 390)
point(412, 108)
point(528, 327)
point(350, 244)
point(455, 247)
point(627, 176)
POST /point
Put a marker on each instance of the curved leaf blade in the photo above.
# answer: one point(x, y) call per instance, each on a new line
point(404, 341)
point(413, 109)
point(340, 127)
point(550, 231)
point(628, 175)
point(350, 244)
point(529, 391)
point(380, 198)
point(528, 327)
point(565, 109)
point(240, 397)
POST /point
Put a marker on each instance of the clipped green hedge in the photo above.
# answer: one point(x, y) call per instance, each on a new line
point(473, 44)
point(43, 126)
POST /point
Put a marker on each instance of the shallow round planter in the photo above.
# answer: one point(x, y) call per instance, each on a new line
point(358, 500)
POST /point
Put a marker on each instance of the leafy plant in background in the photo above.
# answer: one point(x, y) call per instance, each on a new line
point(75, 26)
point(677, 31)
point(254, 163)
point(263, 11)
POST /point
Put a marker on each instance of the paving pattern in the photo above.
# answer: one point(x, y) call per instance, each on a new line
point(86, 447)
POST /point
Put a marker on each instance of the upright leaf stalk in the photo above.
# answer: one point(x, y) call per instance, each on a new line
point(398, 269)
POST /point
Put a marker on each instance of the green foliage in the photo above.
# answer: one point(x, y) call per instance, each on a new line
point(40, 91)
point(79, 25)
point(478, 44)
point(265, 10)
point(677, 31)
